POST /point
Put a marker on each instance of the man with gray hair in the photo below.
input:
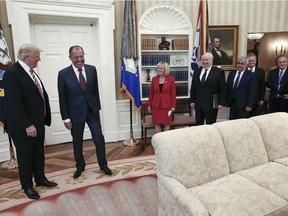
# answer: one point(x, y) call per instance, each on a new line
point(208, 91)
point(241, 85)
point(27, 111)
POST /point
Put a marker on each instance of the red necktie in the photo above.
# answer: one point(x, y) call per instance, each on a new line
point(82, 79)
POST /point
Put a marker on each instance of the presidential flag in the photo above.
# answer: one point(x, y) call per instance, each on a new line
point(130, 83)
point(202, 38)
point(4, 61)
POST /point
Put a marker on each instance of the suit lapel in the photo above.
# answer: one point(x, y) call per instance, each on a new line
point(233, 77)
point(88, 76)
point(243, 78)
point(198, 73)
point(157, 83)
point(210, 75)
point(29, 80)
point(165, 83)
point(73, 76)
point(284, 78)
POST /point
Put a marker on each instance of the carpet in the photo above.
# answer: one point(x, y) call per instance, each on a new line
point(131, 190)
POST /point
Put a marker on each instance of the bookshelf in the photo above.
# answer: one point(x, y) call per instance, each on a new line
point(158, 22)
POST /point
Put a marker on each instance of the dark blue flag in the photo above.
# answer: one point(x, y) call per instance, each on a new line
point(130, 82)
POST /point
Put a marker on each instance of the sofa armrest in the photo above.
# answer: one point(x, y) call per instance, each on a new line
point(175, 199)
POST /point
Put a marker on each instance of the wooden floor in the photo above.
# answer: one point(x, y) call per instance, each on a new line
point(58, 157)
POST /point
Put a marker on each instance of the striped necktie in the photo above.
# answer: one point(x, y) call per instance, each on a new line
point(37, 82)
point(236, 83)
point(39, 87)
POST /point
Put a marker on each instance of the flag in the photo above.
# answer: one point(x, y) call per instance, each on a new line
point(130, 83)
point(4, 61)
point(202, 37)
point(4, 51)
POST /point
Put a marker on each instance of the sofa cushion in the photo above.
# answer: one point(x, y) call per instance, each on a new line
point(272, 176)
point(283, 161)
point(175, 199)
point(243, 144)
point(236, 195)
point(193, 156)
point(273, 128)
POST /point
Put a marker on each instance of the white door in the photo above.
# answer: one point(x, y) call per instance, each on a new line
point(55, 40)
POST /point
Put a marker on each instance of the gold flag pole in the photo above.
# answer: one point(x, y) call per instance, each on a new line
point(12, 163)
point(131, 142)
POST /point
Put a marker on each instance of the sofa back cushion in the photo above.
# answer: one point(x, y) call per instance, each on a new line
point(243, 144)
point(274, 130)
point(193, 156)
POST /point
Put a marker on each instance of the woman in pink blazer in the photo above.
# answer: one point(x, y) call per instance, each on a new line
point(162, 97)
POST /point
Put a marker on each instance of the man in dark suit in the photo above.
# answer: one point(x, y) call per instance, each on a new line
point(79, 103)
point(241, 85)
point(27, 111)
point(278, 83)
point(260, 82)
point(208, 91)
point(220, 57)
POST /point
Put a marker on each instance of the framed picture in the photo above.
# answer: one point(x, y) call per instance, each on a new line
point(224, 45)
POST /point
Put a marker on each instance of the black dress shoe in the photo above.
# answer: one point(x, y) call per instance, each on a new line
point(78, 173)
point(47, 183)
point(31, 193)
point(107, 171)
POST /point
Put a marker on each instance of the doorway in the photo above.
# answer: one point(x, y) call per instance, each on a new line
point(54, 37)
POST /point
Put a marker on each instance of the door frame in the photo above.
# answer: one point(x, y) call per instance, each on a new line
point(20, 14)
point(57, 133)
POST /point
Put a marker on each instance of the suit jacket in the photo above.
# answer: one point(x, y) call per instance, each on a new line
point(202, 95)
point(24, 104)
point(260, 79)
point(224, 60)
point(246, 91)
point(165, 99)
point(272, 82)
point(74, 102)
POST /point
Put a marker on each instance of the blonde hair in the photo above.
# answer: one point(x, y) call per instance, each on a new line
point(166, 67)
point(27, 50)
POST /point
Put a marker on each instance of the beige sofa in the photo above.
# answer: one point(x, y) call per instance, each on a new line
point(230, 168)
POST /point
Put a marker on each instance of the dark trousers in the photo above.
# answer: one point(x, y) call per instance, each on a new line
point(279, 105)
point(236, 113)
point(77, 131)
point(209, 116)
point(31, 160)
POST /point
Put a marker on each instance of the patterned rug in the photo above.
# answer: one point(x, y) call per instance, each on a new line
point(131, 190)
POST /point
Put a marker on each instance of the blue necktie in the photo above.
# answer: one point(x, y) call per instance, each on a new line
point(280, 77)
point(236, 83)
point(279, 81)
